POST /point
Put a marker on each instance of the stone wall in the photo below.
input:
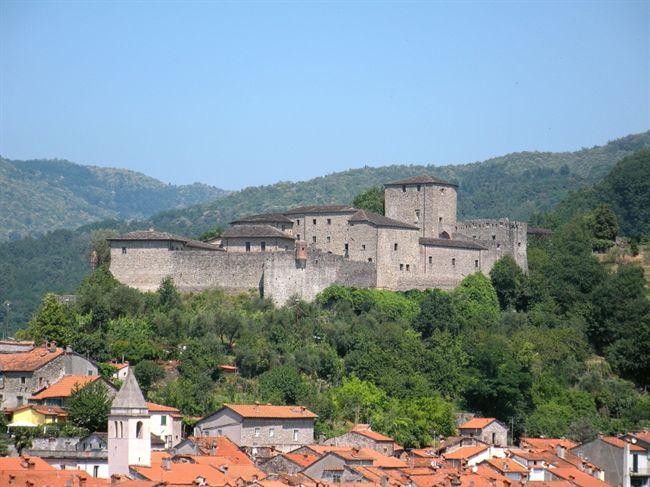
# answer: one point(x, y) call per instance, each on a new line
point(501, 237)
point(272, 244)
point(330, 230)
point(395, 266)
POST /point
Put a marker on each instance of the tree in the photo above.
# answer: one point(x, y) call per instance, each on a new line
point(100, 250)
point(148, 373)
point(357, 400)
point(51, 322)
point(371, 200)
point(211, 234)
point(131, 338)
point(507, 279)
point(89, 406)
point(282, 385)
point(168, 296)
point(475, 302)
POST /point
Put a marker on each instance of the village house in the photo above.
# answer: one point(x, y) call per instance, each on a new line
point(258, 428)
point(166, 423)
point(508, 468)
point(60, 392)
point(488, 430)
point(26, 369)
point(362, 436)
point(37, 415)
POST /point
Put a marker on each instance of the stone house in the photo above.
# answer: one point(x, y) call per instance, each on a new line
point(468, 455)
point(362, 436)
point(27, 370)
point(59, 393)
point(166, 423)
point(508, 468)
point(288, 463)
point(488, 430)
point(624, 462)
point(260, 427)
point(89, 453)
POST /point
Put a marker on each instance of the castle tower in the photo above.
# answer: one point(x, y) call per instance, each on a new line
point(426, 202)
point(129, 438)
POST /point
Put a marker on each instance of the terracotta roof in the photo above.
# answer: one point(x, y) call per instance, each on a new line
point(477, 423)
point(54, 478)
point(44, 410)
point(28, 361)
point(379, 220)
point(222, 447)
point(423, 179)
point(612, 440)
point(577, 477)
point(120, 366)
point(547, 443)
point(465, 452)
point(159, 408)
point(364, 430)
point(65, 386)
point(181, 473)
point(302, 459)
point(268, 411)
point(378, 460)
point(228, 368)
point(506, 465)
point(459, 244)
point(155, 235)
point(264, 218)
point(24, 462)
point(321, 209)
point(548, 483)
point(261, 231)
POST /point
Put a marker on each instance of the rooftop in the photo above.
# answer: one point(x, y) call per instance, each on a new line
point(261, 231)
point(44, 410)
point(65, 386)
point(460, 244)
point(422, 179)
point(321, 209)
point(379, 220)
point(465, 452)
point(364, 430)
point(28, 361)
point(269, 411)
point(618, 442)
point(155, 235)
point(265, 218)
point(129, 396)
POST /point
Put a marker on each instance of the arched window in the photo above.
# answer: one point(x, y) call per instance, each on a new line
point(444, 235)
point(138, 429)
point(121, 434)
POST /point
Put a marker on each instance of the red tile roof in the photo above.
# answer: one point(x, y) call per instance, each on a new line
point(477, 423)
point(612, 440)
point(268, 411)
point(577, 477)
point(547, 443)
point(506, 465)
point(222, 446)
point(364, 430)
point(159, 408)
point(28, 361)
point(65, 386)
point(24, 462)
point(465, 452)
point(44, 410)
point(54, 478)
point(302, 459)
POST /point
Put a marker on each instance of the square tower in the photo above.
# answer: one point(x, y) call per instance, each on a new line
point(426, 202)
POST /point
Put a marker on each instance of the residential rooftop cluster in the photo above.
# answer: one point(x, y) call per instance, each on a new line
point(274, 445)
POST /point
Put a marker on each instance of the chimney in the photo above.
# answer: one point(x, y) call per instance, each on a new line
point(82, 481)
point(12, 479)
point(560, 451)
point(166, 463)
point(471, 483)
point(52, 346)
point(505, 466)
point(223, 469)
point(213, 450)
point(384, 481)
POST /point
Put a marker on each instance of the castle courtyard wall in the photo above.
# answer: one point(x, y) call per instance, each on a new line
point(501, 237)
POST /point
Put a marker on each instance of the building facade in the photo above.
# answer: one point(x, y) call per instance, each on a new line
point(418, 244)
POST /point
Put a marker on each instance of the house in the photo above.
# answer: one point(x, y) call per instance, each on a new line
point(88, 454)
point(362, 436)
point(60, 392)
point(259, 428)
point(220, 446)
point(122, 371)
point(337, 465)
point(25, 370)
point(508, 468)
point(624, 462)
point(166, 423)
point(468, 455)
point(36, 415)
point(489, 430)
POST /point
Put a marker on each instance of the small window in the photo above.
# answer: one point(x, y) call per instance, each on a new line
point(257, 432)
point(219, 432)
point(408, 268)
point(124, 250)
point(494, 438)
point(417, 215)
point(163, 420)
point(453, 261)
point(313, 239)
point(329, 239)
point(430, 260)
point(295, 435)
point(329, 221)
point(476, 264)
point(419, 187)
point(139, 429)
point(19, 400)
point(439, 219)
point(494, 237)
point(314, 221)
point(518, 244)
point(297, 222)
point(363, 246)
point(401, 267)
point(95, 470)
point(271, 432)
point(347, 247)
point(498, 246)
point(22, 380)
point(394, 246)
point(263, 246)
point(369, 259)
point(298, 236)
point(403, 188)
point(248, 246)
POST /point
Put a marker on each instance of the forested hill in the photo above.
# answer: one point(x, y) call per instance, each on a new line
point(517, 185)
point(42, 195)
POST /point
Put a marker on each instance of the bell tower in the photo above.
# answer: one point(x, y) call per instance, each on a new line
point(129, 438)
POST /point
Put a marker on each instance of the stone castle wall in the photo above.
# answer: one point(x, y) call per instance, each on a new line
point(436, 206)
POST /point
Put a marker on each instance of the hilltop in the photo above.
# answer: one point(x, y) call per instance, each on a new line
point(516, 185)
point(42, 195)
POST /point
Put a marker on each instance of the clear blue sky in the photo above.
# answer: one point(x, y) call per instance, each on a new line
point(238, 94)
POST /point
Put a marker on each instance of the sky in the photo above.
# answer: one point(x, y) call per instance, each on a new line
point(236, 94)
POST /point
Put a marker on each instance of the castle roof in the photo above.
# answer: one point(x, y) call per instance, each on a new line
point(423, 179)
point(129, 396)
point(255, 231)
point(321, 209)
point(163, 236)
point(264, 218)
point(379, 220)
point(445, 242)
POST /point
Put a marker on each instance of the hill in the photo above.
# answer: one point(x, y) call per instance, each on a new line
point(517, 185)
point(41, 195)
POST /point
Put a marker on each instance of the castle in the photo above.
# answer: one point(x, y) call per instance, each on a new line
point(419, 244)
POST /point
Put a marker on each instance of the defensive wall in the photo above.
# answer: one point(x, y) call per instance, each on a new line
point(501, 237)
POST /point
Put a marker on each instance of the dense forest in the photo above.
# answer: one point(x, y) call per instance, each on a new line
point(563, 350)
point(43, 195)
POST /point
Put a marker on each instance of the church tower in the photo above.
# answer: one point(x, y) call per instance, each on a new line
point(129, 439)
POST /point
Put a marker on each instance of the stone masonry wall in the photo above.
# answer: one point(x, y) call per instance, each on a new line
point(501, 237)
point(330, 230)
point(436, 206)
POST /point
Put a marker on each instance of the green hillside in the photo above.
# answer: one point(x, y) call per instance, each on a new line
point(42, 195)
point(517, 185)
